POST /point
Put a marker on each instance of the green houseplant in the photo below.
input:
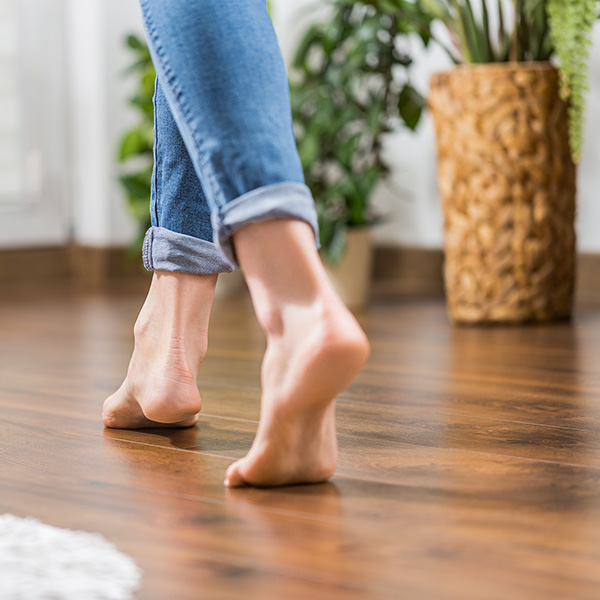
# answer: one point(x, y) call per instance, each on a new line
point(508, 126)
point(350, 87)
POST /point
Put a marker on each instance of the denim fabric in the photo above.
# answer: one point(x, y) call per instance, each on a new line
point(225, 153)
point(181, 236)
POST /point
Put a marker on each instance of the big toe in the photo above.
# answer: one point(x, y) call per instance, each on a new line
point(116, 410)
point(234, 477)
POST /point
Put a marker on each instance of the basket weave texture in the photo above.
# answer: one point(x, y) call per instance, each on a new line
point(507, 182)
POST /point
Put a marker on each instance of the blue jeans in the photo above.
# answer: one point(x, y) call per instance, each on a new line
point(224, 150)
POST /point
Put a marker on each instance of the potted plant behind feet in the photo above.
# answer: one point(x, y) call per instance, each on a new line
point(509, 132)
point(350, 87)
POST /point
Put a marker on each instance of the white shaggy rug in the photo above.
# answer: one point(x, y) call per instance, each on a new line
point(39, 562)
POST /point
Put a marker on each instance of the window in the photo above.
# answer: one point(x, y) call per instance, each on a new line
point(33, 207)
point(11, 152)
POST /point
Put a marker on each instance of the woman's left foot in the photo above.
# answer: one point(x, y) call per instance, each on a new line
point(171, 338)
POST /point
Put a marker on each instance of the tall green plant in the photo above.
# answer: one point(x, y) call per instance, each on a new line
point(522, 36)
point(350, 86)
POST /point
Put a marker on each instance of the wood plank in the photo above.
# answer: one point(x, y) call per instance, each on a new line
point(397, 426)
point(493, 481)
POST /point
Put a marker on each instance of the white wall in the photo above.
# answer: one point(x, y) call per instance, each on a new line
point(588, 218)
point(410, 201)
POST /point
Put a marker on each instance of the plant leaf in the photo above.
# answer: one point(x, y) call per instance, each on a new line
point(410, 106)
point(337, 244)
point(137, 185)
point(486, 32)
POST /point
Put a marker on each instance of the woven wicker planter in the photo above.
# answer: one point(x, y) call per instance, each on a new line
point(507, 183)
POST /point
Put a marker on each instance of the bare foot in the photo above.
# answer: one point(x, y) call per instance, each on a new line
point(315, 348)
point(305, 367)
point(171, 337)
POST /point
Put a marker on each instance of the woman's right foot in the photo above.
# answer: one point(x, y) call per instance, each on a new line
point(171, 336)
point(313, 357)
point(315, 348)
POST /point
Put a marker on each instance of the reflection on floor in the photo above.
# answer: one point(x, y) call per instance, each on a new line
point(469, 467)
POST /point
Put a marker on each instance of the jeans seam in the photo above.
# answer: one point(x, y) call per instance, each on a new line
point(171, 79)
point(156, 157)
point(147, 250)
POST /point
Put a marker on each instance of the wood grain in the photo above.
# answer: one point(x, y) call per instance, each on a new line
point(469, 458)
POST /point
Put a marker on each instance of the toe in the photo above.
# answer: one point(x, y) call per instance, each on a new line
point(233, 477)
point(109, 419)
point(111, 415)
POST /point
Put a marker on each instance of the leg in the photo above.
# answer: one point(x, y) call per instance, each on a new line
point(225, 81)
point(171, 333)
point(315, 347)
point(223, 137)
point(171, 338)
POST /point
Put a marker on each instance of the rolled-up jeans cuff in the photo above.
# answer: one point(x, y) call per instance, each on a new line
point(166, 250)
point(287, 200)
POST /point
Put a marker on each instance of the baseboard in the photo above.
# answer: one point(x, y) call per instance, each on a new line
point(95, 267)
point(588, 279)
point(417, 272)
point(398, 272)
point(404, 271)
point(34, 264)
point(79, 266)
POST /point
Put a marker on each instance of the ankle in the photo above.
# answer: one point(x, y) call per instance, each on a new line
point(179, 299)
point(176, 314)
point(325, 320)
point(277, 316)
point(174, 344)
point(270, 317)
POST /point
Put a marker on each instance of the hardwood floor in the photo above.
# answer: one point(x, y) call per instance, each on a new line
point(469, 458)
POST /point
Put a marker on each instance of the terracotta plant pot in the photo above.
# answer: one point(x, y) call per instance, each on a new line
point(230, 285)
point(351, 277)
point(507, 182)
